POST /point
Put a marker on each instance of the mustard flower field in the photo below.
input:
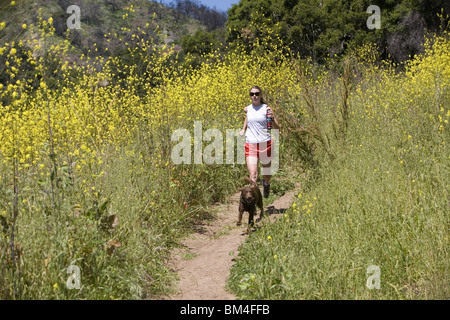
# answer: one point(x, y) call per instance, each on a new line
point(87, 180)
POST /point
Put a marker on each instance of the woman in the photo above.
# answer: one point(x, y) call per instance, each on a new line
point(258, 141)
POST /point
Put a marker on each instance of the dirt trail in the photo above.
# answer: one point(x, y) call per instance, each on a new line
point(203, 265)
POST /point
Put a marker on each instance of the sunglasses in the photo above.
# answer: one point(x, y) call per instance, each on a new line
point(255, 94)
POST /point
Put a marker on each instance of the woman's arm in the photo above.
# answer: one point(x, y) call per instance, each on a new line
point(272, 115)
point(245, 124)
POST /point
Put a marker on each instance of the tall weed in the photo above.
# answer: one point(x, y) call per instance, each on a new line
point(382, 201)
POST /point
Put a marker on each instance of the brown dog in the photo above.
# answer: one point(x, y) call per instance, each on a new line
point(250, 198)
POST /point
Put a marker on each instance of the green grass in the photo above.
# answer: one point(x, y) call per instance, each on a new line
point(382, 200)
point(359, 219)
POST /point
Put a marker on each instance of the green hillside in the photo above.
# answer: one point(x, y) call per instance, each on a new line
point(103, 23)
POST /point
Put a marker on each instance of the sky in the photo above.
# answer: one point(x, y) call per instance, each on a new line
point(222, 5)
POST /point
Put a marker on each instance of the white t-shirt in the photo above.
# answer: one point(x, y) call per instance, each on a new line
point(257, 124)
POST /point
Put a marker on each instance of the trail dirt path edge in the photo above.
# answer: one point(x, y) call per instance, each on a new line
point(203, 265)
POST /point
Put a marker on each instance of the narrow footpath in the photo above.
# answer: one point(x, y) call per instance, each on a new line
point(204, 262)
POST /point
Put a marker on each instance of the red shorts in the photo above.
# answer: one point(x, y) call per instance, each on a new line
point(259, 150)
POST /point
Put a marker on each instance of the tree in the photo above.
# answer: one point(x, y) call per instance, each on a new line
point(212, 18)
point(321, 28)
point(200, 43)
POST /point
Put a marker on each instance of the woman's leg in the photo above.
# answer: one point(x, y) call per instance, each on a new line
point(265, 158)
point(267, 177)
point(251, 156)
point(252, 166)
point(266, 181)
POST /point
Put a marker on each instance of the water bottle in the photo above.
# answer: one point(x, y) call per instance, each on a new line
point(269, 120)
